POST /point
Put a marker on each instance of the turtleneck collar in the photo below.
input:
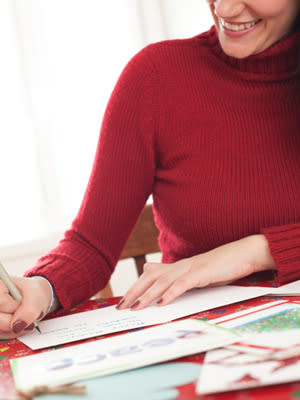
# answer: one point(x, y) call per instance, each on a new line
point(280, 61)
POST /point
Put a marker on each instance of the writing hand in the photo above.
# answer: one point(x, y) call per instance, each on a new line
point(17, 318)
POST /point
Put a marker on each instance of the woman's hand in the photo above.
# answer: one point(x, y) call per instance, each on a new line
point(17, 318)
point(219, 266)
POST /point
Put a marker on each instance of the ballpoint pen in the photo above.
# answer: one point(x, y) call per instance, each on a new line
point(13, 290)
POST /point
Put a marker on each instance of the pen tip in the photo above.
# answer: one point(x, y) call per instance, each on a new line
point(38, 329)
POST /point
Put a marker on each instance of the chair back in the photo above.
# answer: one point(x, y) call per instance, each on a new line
point(142, 241)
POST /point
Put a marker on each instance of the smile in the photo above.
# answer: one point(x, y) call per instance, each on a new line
point(238, 27)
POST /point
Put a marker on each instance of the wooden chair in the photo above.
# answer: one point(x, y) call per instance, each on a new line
point(142, 241)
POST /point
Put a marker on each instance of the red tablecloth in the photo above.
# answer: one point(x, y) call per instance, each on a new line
point(14, 348)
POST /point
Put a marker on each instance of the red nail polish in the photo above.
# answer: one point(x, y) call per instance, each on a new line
point(41, 315)
point(29, 327)
point(160, 301)
point(120, 302)
point(18, 326)
point(136, 304)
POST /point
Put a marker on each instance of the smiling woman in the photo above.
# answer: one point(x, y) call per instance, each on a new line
point(209, 125)
point(250, 27)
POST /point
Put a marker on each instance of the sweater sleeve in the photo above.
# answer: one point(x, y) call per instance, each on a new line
point(284, 245)
point(121, 180)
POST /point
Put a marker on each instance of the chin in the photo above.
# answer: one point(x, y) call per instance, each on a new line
point(238, 55)
point(236, 52)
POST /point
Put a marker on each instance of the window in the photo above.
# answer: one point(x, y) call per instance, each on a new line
point(60, 61)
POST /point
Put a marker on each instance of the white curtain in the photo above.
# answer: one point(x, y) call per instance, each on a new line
point(60, 60)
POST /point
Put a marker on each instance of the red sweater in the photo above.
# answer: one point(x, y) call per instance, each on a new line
point(215, 140)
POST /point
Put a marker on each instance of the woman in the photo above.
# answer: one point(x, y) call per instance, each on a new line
point(209, 126)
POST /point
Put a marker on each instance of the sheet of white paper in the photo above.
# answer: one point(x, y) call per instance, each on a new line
point(266, 343)
point(119, 353)
point(290, 289)
point(108, 320)
point(236, 370)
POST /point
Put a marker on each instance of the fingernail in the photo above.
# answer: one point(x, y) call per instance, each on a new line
point(41, 315)
point(120, 302)
point(18, 326)
point(136, 304)
point(160, 301)
point(29, 327)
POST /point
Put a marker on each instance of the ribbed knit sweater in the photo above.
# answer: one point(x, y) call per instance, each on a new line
point(215, 139)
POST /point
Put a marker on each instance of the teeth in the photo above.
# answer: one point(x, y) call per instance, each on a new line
point(238, 27)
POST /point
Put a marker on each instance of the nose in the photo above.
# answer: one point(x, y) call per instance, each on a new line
point(228, 8)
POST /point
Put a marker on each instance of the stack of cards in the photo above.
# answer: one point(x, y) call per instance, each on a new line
point(268, 354)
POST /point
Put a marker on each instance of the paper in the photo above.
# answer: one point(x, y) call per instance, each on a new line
point(277, 343)
point(237, 370)
point(265, 327)
point(269, 317)
point(290, 289)
point(108, 320)
point(119, 353)
point(271, 330)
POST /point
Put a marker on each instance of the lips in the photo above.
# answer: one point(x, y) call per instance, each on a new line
point(238, 26)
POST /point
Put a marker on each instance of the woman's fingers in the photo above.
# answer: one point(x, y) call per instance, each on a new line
point(5, 321)
point(156, 290)
point(8, 304)
point(29, 310)
point(17, 318)
point(152, 273)
point(6, 332)
point(154, 283)
point(221, 265)
point(144, 282)
point(13, 328)
point(7, 336)
point(178, 287)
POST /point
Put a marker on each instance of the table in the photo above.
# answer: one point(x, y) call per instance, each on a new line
point(170, 380)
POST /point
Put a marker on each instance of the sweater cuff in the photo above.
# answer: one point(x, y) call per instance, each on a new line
point(284, 245)
point(72, 283)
